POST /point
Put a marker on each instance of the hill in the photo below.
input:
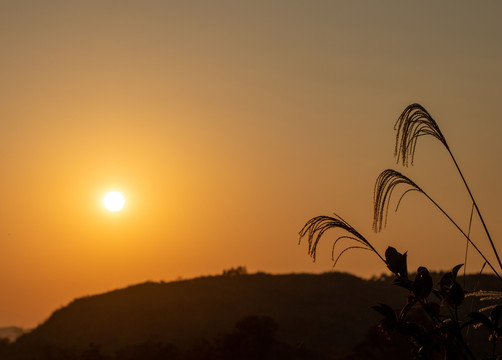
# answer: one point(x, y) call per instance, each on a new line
point(328, 312)
point(11, 332)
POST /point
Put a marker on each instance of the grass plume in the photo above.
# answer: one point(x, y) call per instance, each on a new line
point(385, 185)
point(415, 122)
point(315, 228)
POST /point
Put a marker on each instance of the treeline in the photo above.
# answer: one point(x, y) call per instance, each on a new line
point(253, 338)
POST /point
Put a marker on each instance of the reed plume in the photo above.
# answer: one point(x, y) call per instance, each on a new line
point(386, 184)
point(315, 228)
point(415, 122)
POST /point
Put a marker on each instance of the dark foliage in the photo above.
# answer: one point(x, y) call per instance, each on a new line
point(253, 338)
point(148, 351)
point(239, 270)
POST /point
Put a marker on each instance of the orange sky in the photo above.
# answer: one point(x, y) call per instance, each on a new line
point(227, 125)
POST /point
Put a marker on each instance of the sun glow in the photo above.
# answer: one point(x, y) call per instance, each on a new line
point(114, 201)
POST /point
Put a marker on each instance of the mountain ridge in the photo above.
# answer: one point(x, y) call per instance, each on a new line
point(310, 310)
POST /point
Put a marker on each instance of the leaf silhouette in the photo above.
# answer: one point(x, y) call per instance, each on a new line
point(422, 286)
point(386, 311)
point(455, 270)
point(451, 291)
point(495, 315)
point(396, 262)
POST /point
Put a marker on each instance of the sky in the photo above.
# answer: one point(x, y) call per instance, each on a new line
point(227, 125)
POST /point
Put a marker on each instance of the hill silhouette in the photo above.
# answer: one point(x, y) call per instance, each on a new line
point(329, 313)
point(11, 332)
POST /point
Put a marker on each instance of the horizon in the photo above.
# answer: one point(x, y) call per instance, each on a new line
point(374, 277)
point(226, 127)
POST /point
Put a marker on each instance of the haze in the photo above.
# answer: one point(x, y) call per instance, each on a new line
point(227, 125)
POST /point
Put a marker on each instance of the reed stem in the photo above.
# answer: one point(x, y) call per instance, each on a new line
point(465, 235)
point(476, 207)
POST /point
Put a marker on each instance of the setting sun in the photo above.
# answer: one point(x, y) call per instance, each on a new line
point(114, 201)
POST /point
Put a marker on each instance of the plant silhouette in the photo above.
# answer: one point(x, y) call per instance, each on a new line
point(385, 185)
point(415, 122)
point(315, 228)
point(437, 332)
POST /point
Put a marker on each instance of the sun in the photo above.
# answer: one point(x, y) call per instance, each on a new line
point(114, 201)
